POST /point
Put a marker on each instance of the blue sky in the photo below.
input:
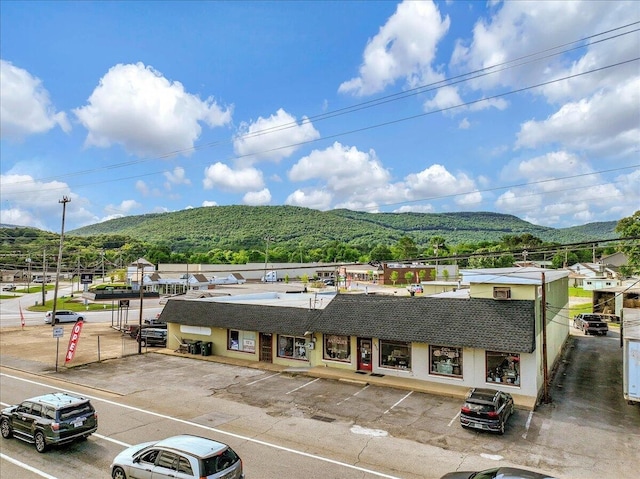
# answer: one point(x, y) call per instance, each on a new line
point(133, 107)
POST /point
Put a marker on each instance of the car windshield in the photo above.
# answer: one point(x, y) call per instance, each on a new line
point(215, 464)
point(75, 411)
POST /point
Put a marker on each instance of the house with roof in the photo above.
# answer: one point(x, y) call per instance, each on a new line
point(489, 334)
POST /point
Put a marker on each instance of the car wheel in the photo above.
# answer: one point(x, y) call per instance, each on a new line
point(57, 320)
point(5, 428)
point(39, 441)
point(143, 343)
point(118, 473)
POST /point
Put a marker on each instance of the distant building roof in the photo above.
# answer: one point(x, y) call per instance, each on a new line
point(515, 275)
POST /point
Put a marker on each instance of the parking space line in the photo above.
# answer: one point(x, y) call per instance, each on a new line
point(115, 441)
point(262, 379)
point(303, 386)
point(216, 430)
point(454, 418)
point(26, 466)
point(527, 425)
point(352, 396)
point(406, 396)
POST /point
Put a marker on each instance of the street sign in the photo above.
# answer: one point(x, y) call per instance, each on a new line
point(58, 332)
point(86, 278)
point(124, 303)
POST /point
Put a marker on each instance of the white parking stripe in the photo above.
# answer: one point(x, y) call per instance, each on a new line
point(353, 395)
point(26, 466)
point(217, 431)
point(409, 394)
point(262, 379)
point(115, 441)
point(303, 386)
point(526, 427)
point(454, 418)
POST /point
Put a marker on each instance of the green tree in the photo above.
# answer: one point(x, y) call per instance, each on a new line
point(629, 227)
point(405, 248)
point(408, 276)
point(394, 277)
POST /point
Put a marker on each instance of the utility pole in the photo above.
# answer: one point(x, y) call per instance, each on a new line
point(64, 201)
point(44, 276)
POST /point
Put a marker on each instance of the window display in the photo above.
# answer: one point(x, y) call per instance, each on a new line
point(395, 354)
point(446, 360)
point(503, 368)
point(337, 348)
point(244, 341)
point(292, 347)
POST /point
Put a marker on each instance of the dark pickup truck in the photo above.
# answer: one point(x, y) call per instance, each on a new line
point(591, 323)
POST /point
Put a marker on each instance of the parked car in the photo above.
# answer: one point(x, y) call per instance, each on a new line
point(153, 337)
point(486, 409)
point(9, 287)
point(416, 288)
point(497, 473)
point(52, 419)
point(63, 316)
point(591, 323)
point(178, 456)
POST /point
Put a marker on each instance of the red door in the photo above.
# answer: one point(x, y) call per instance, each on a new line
point(364, 354)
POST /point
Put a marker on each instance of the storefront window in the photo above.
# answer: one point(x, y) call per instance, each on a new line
point(395, 355)
point(337, 348)
point(446, 360)
point(503, 368)
point(244, 341)
point(292, 347)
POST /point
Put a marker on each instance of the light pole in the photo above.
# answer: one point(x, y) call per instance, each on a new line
point(140, 283)
point(64, 202)
point(28, 260)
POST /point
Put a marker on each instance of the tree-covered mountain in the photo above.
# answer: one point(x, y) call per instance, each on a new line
point(246, 227)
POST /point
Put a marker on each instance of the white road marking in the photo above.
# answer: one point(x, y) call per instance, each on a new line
point(527, 425)
point(215, 430)
point(352, 396)
point(115, 441)
point(454, 418)
point(262, 379)
point(26, 466)
point(303, 386)
point(406, 396)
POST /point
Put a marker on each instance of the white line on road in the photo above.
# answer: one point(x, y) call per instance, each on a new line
point(303, 386)
point(526, 426)
point(217, 431)
point(353, 395)
point(26, 466)
point(454, 418)
point(115, 441)
point(262, 379)
point(409, 394)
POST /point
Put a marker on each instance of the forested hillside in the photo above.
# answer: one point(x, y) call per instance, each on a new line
point(246, 227)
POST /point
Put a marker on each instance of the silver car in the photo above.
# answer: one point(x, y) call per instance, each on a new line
point(63, 316)
point(181, 457)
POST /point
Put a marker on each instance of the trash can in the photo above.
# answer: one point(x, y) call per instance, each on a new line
point(197, 347)
point(206, 348)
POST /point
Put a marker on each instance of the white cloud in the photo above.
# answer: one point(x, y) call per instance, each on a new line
point(464, 124)
point(255, 198)
point(176, 177)
point(25, 106)
point(607, 122)
point(403, 49)
point(421, 208)
point(142, 187)
point(273, 138)
point(436, 181)
point(138, 108)
point(225, 178)
point(337, 166)
point(209, 203)
point(315, 199)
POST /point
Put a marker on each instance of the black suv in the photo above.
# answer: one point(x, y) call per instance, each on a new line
point(52, 419)
point(486, 409)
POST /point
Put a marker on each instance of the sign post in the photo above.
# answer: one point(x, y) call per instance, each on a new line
point(58, 332)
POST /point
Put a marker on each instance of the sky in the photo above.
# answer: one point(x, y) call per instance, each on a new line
point(133, 107)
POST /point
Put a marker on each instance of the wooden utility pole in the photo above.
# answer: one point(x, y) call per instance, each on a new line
point(64, 202)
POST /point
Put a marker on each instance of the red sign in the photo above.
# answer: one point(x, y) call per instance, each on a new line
point(73, 341)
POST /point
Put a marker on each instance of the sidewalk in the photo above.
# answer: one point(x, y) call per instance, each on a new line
point(33, 349)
